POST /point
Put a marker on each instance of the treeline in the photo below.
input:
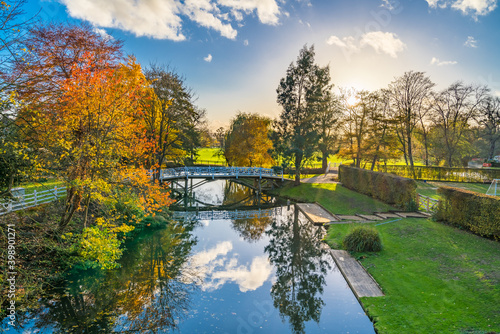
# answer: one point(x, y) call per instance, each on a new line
point(407, 120)
point(75, 108)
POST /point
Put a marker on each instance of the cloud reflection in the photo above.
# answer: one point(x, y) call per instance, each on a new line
point(216, 268)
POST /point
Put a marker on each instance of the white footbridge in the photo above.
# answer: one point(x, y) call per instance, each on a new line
point(219, 172)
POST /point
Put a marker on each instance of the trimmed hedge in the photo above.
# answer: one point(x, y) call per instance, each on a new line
point(433, 173)
point(473, 211)
point(388, 188)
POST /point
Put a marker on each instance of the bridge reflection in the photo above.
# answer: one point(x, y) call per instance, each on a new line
point(226, 214)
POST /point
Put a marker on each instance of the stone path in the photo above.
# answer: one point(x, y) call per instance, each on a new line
point(316, 214)
point(320, 216)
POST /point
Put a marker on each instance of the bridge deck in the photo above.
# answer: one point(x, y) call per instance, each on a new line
point(219, 172)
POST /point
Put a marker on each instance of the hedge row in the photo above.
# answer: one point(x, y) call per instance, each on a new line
point(442, 173)
point(470, 210)
point(388, 188)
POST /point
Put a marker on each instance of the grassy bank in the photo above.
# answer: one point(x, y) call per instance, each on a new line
point(334, 198)
point(436, 278)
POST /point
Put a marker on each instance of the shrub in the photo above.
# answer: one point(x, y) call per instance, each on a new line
point(362, 239)
point(473, 211)
point(388, 188)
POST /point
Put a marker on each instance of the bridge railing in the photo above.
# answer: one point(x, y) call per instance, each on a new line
point(187, 172)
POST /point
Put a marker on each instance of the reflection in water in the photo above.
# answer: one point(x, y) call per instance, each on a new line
point(216, 269)
point(208, 278)
point(147, 295)
point(294, 249)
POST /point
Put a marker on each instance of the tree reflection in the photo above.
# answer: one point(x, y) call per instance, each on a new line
point(295, 251)
point(149, 294)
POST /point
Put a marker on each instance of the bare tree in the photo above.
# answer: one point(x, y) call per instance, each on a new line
point(488, 117)
point(453, 109)
point(408, 95)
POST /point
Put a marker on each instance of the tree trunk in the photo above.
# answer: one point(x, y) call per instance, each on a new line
point(72, 204)
point(410, 157)
point(491, 154)
point(298, 161)
point(324, 163)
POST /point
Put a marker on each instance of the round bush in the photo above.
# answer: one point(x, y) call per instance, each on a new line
point(362, 239)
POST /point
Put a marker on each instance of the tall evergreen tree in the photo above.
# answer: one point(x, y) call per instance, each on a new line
point(301, 94)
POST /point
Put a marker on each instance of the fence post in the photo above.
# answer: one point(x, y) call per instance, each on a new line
point(34, 193)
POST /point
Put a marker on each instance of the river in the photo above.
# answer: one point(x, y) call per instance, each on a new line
point(265, 273)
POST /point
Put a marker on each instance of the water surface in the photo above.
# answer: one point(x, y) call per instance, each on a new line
point(253, 275)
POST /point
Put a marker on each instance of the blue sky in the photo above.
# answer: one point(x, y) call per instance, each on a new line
point(234, 52)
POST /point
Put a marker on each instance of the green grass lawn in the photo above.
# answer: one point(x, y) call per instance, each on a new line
point(334, 198)
point(436, 278)
point(30, 187)
point(210, 154)
point(429, 188)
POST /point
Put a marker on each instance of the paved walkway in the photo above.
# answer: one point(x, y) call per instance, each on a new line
point(360, 281)
point(331, 177)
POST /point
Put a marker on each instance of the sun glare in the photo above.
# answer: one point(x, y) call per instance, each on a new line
point(352, 100)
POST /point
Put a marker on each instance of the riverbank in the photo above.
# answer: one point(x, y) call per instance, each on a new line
point(436, 278)
point(42, 256)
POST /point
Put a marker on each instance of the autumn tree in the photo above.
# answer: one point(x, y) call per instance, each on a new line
point(82, 109)
point(247, 142)
point(13, 26)
point(452, 112)
point(409, 94)
point(300, 94)
point(172, 120)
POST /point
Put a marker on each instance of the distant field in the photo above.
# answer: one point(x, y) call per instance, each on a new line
point(429, 188)
point(30, 187)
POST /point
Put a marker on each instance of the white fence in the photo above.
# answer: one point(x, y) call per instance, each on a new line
point(216, 172)
point(28, 201)
point(427, 204)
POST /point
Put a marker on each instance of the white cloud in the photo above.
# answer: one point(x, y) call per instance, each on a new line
point(208, 58)
point(381, 42)
point(155, 18)
point(436, 61)
point(388, 4)
point(202, 12)
point(268, 11)
point(245, 42)
point(474, 8)
point(346, 43)
point(164, 19)
point(103, 33)
point(471, 42)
